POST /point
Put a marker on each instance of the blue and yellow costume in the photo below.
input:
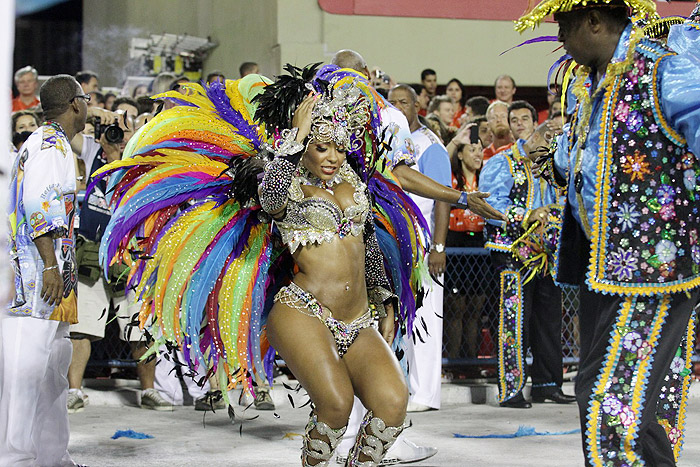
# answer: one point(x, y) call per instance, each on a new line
point(630, 239)
point(530, 311)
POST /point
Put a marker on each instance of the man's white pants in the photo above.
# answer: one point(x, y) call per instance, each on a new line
point(425, 358)
point(34, 359)
point(168, 383)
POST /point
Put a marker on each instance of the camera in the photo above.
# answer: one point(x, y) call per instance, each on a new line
point(113, 133)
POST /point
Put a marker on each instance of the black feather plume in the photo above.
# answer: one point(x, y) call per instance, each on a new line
point(279, 100)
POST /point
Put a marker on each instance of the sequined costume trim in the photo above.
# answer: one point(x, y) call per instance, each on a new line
point(511, 374)
point(614, 408)
point(673, 399)
point(521, 197)
point(672, 134)
point(645, 226)
point(344, 333)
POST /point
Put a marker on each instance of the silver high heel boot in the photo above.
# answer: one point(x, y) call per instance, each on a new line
point(373, 440)
point(318, 449)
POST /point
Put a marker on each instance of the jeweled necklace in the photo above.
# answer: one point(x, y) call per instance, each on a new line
point(305, 177)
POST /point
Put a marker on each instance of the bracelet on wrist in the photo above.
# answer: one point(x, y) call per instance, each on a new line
point(55, 266)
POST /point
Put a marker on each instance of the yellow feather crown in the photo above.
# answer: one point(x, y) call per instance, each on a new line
point(531, 19)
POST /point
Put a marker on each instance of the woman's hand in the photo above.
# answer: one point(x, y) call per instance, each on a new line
point(302, 117)
point(386, 324)
point(462, 136)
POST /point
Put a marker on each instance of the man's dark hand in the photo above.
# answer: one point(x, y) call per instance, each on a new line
point(478, 205)
point(52, 287)
point(436, 263)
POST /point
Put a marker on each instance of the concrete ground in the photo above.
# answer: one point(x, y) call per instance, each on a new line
point(184, 437)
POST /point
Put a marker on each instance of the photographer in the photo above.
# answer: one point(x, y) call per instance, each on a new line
point(113, 130)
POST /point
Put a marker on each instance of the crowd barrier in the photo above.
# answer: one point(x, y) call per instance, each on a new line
point(470, 312)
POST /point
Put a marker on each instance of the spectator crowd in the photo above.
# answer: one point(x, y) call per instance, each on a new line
point(455, 135)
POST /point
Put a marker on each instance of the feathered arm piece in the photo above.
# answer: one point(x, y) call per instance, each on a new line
point(402, 234)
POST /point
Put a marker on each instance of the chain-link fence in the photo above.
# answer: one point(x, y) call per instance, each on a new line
point(472, 293)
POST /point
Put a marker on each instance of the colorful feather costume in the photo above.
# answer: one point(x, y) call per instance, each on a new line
point(206, 259)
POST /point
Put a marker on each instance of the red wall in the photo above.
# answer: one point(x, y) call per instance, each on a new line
point(504, 10)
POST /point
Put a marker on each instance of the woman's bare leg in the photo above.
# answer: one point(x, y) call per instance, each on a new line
point(308, 349)
point(381, 386)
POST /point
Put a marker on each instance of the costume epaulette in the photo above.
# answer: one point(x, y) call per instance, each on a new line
point(653, 49)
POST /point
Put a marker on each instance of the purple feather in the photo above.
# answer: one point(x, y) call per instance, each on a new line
point(533, 41)
point(216, 92)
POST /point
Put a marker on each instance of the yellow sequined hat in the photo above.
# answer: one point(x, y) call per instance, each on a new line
point(534, 17)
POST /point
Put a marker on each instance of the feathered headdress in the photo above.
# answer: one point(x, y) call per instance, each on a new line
point(533, 17)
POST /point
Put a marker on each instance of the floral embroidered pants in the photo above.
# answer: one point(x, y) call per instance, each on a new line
point(530, 317)
point(632, 351)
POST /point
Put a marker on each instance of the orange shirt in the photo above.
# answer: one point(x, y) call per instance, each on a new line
point(17, 104)
point(491, 151)
point(458, 114)
point(463, 220)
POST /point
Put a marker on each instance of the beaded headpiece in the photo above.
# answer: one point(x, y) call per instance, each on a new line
point(340, 116)
point(531, 19)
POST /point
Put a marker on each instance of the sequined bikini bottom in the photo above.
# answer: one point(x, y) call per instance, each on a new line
point(344, 333)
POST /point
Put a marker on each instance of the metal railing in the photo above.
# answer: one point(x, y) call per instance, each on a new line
point(470, 312)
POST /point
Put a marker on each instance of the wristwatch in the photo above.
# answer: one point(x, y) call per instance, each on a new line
point(462, 202)
point(437, 247)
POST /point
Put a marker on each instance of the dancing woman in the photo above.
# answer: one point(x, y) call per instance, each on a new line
point(228, 202)
point(322, 209)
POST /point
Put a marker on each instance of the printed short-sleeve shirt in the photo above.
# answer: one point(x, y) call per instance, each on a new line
point(42, 202)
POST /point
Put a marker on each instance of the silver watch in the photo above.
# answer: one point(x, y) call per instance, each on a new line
point(437, 247)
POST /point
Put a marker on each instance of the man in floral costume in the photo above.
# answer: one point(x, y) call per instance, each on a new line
point(530, 311)
point(630, 227)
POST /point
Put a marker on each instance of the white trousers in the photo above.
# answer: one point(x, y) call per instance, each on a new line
point(425, 358)
point(168, 384)
point(34, 359)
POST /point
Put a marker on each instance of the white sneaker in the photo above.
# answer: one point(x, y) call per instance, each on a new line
point(151, 399)
point(74, 402)
point(416, 407)
point(404, 451)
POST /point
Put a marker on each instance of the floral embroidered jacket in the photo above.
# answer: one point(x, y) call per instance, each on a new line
point(630, 161)
point(514, 192)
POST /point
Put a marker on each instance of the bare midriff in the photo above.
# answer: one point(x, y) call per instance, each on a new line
point(334, 272)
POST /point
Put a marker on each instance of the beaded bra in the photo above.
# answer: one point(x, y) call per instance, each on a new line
point(315, 219)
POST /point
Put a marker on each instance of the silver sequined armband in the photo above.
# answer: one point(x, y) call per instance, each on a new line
point(287, 145)
point(275, 184)
point(377, 297)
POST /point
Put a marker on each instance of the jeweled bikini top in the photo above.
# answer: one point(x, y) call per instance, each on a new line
point(316, 219)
